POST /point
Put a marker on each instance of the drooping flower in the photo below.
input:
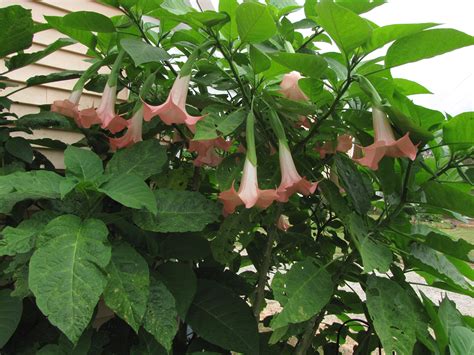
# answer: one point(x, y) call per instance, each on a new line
point(385, 143)
point(133, 134)
point(283, 223)
point(344, 144)
point(291, 181)
point(68, 107)
point(173, 110)
point(106, 111)
point(290, 89)
point(206, 151)
point(249, 193)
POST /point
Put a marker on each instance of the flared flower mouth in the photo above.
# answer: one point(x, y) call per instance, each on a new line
point(249, 193)
point(291, 181)
point(173, 110)
point(385, 143)
point(206, 150)
point(65, 107)
point(290, 89)
point(133, 134)
point(343, 144)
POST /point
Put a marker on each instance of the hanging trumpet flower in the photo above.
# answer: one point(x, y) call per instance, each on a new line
point(249, 194)
point(289, 88)
point(385, 143)
point(206, 151)
point(343, 144)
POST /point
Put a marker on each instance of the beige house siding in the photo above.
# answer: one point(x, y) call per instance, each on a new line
point(68, 58)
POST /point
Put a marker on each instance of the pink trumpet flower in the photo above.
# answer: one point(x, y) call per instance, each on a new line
point(344, 144)
point(385, 143)
point(106, 111)
point(173, 110)
point(290, 89)
point(206, 151)
point(133, 134)
point(291, 181)
point(249, 193)
point(68, 107)
point(283, 223)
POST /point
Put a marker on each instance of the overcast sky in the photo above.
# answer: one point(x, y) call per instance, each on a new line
point(450, 76)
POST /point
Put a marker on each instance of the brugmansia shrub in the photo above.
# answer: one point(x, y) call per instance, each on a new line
point(246, 169)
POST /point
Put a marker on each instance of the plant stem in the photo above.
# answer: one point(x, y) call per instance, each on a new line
point(262, 273)
point(309, 332)
point(310, 39)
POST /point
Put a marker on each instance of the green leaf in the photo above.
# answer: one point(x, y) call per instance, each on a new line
point(311, 65)
point(375, 255)
point(230, 123)
point(254, 22)
point(89, 21)
point(360, 6)
point(213, 126)
point(143, 159)
point(229, 170)
point(20, 148)
point(461, 341)
point(177, 7)
point(448, 197)
point(353, 182)
point(69, 268)
point(229, 30)
point(260, 61)
point(130, 191)
point(438, 265)
point(426, 44)
point(161, 318)
point(386, 34)
point(82, 164)
point(50, 78)
point(223, 318)
point(142, 52)
point(11, 309)
point(84, 37)
point(23, 59)
point(307, 288)
point(449, 316)
point(17, 29)
point(178, 211)
point(128, 285)
point(44, 119)
point(458, 132)
point(346, 28)
point(20, 239)
point(21, 186)
point(408, 87)
point(181, 281)
point(332, 195)
point(147, 345)
point(394, 315)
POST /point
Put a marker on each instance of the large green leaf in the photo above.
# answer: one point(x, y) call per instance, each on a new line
point(23, 59)
point(67, 272)
point(181, 281)
point(346, 28)
point(161, 317)
point(311, 65)
point(386, 34)
point(213, 126)
point(20, 239)
point(254, 22)
point(44, 119)
point(17, 29)
point(89, 21)
point(147, 345)
point(459, 132)
point(448, 197)
point(229, 30)
point(33, 185)
point(375, 255)
point(130, 191)
point(53, 77)
point(20, 148)
point(185, 247)
point(178, 211)
point(223, 318)
point(461, 341)
point(85, 37)
point(331, 194)
point(307, 288)
point(82, 164)
point(438, 265)
point(11, 309)
point(394, 315)
point(128, 284)
point(142, 52)
point(426, 44)
point(143, 159)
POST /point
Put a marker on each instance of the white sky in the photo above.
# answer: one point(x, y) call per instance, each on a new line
point(450, 76)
